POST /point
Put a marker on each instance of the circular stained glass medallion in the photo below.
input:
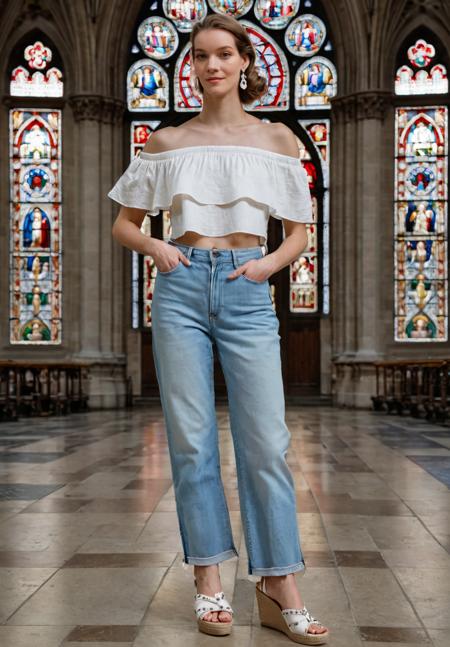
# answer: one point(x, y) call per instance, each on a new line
point(157, 37)
point(184, 13)
point(236, 8)
point(305, 35)
point(276, 14)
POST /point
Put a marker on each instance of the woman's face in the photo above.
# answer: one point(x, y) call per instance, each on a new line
point(217, 62)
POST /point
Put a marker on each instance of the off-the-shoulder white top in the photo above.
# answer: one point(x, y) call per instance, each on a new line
point(216, 190)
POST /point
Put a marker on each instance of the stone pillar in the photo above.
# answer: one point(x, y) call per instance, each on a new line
point(361, 208)
point(100, 271)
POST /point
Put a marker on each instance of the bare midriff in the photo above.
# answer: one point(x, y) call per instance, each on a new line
point(230, 241)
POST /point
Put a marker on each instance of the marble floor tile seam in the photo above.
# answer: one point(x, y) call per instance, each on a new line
point(336, 569)
point(348, 593)
point(411, 602)
point(403, 456)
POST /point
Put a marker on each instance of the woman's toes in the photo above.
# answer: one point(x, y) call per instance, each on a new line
point(316, 629)
point(224, 616)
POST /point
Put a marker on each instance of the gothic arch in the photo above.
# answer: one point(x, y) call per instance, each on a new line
point(116, 33)
point(395, 44)
point(38, 30)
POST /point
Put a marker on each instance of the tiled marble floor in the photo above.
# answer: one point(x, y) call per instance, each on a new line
point(90, 552)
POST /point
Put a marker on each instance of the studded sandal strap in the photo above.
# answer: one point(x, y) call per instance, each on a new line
point(206, 603)
point(299, 620)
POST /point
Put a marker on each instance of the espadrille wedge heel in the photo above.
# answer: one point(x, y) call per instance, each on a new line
point(293, 622)
point(206, 603)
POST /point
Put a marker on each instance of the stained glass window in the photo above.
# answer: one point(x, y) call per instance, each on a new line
point(271, 63)
point(315, 84)
point(421, 281)
point(234, 8)
point(304, 271)
point(423, 77)
point(276, 14)
point(140, 132)
point(305, 36)
point(34, 77)
point(420, 197)
point(35, 242)
point(147, 87)
point(289, 46)
point(186, 98)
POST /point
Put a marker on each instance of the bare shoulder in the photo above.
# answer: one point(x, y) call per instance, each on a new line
point(283, 140)
point(161, 140)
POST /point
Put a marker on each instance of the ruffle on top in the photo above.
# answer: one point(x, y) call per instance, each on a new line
point(217, 175)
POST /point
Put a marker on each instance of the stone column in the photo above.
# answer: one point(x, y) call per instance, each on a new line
point(361, 208)
point(100, 274)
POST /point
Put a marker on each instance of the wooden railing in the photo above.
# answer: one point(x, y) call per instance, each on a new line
point(42, 388)
point(415, 387)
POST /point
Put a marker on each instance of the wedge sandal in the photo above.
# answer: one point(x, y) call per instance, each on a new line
point(293, 622)
point(206, 603)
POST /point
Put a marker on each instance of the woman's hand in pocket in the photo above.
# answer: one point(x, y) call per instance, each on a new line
point(167, 256)
point(256, 269)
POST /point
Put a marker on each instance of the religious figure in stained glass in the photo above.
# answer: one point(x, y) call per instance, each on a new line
point(36, 229)
point(305, 35)
point(35, 310)
point(315, 84)
point(140, 132)
point(420, 218)
point(276, 14)
point(420, 224)
point(148, 87)
point(157, 37)
point(320, 82)
point(304, 271)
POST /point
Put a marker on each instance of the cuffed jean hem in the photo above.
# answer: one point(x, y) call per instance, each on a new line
point(279, 570)
point(215, 559)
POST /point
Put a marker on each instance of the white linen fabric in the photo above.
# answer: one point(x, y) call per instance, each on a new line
point(216, 190)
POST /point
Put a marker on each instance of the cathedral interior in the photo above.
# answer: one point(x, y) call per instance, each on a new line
point(363, 315)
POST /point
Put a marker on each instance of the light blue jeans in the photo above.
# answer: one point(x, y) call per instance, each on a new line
point(193, 309)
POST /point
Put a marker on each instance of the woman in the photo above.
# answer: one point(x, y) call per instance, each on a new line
point(221, 174)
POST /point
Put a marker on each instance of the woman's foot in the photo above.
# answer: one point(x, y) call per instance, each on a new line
point(283, 589)
point(208, 582)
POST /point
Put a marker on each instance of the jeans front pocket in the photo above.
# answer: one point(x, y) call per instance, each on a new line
point(174, 269)
point(252, 280)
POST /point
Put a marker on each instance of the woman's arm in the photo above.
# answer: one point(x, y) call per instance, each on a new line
point(127, 226)
point(296, 236)
point(294, 243)
point(127, 231)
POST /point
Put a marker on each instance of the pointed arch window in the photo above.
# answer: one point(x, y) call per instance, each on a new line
point(35, 310)
point(421, 197)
